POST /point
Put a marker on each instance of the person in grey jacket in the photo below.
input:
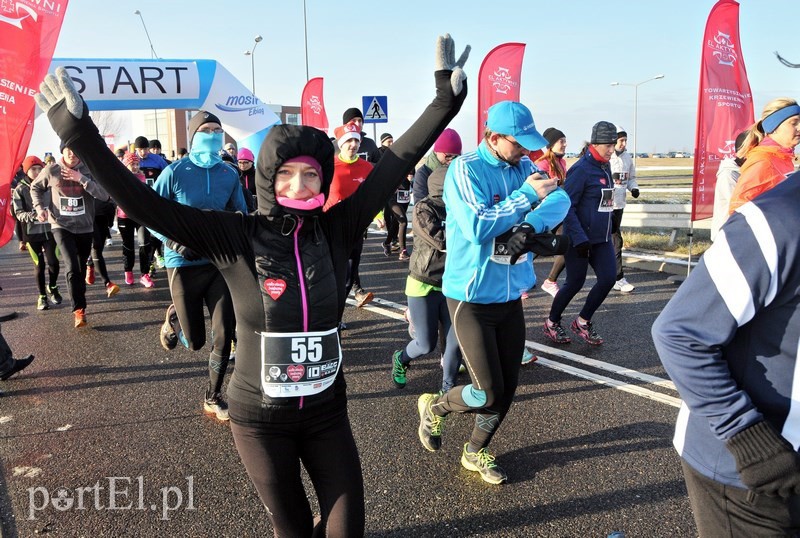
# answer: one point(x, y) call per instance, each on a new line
point(63, 195)
point(38, 236)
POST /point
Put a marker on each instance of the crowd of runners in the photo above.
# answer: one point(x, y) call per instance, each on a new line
point(269, 240)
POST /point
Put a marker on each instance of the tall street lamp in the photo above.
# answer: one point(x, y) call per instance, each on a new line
point(636, 107)
point(252, 54)
point(153, 55)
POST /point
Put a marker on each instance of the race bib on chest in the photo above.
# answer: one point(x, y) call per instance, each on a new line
point(299, 364)
point(403, 197)
point(72, 206)
point(500, 253)
point(606, 201)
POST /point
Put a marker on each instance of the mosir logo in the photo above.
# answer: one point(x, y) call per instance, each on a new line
point(242, 103)
point(315, 104)
point(14, 13)
point(501, 80)
point(724, 50)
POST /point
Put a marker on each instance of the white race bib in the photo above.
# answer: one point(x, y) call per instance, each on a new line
point(299, 364)
point(72, 207)
point(403, 197)
point(606, 201)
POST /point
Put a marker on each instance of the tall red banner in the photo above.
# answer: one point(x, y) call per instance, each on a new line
point(499, 79)
point(28, 34)
point(725, 104)
point(313, 106)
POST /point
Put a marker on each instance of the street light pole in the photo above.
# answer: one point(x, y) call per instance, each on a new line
point(153, 55)
point(252, 54)
point(636, 107)
point(305, 36)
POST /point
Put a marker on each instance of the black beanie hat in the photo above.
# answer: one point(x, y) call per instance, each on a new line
point(552, 135)
point(155, 143)
point(604, 132)
point(61, 146)
point(351, 113)
point(141, 142)
point(198, 120)
point(385, 137)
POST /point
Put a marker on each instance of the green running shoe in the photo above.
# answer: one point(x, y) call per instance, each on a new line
point(398, 369)
point(483, 463)
point(430, 425)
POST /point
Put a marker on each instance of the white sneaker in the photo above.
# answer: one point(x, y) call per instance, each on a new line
point(624, 286)
point(550, 287)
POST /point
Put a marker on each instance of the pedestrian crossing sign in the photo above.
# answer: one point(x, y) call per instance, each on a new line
point(375, 109)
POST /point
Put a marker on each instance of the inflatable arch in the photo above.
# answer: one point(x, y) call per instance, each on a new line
point(110, 84)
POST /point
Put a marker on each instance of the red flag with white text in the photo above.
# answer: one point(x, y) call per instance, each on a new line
point(28, 34)
point(499, 79)
point(313, 105)
point(725, 104)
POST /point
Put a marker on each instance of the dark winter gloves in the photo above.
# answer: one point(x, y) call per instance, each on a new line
point(766, 462)
point(188, 254)
point(583, 249)
point(635, 193)
point(525, 239)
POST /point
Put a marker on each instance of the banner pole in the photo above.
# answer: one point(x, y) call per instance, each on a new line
point(691, 236)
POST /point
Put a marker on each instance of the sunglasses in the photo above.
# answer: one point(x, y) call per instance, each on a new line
point(516, 144)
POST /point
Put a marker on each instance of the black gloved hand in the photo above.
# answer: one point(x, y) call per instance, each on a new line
point(188, 254)
point(518, 242)
point(766, 462)
point(583, 249)
point(525, 239)
point(635, 193)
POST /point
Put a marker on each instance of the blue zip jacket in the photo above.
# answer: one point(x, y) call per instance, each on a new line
point(485, 198)
point(730, 336)
point(585, 182)
point(204, 188)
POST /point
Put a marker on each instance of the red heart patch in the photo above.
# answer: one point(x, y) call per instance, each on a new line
point(274, 287)
point(295, 372)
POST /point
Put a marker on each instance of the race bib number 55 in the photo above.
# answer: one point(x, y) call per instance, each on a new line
point(299, 364)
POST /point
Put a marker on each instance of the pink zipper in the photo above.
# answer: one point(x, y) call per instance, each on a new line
point(301, 280)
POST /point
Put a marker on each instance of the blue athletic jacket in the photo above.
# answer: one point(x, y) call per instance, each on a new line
point(730, 336)
point(585, 182)
point(217, 187)
point(485, 198)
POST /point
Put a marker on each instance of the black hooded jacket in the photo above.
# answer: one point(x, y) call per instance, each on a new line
point(427, 258)
point(256, 253)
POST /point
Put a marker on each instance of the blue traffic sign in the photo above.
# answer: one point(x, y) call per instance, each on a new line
point(375, 109)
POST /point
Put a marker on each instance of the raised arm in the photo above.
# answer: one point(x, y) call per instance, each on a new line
point(194, 228)
point(451, 90)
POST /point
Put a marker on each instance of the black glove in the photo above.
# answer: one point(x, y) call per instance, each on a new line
point(583, 249)
point(766, 462)
point(188, 254)
point(635, 193)
point(518, 242)
point(525, 239)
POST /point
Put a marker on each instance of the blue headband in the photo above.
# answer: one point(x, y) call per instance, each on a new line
point(771, 122)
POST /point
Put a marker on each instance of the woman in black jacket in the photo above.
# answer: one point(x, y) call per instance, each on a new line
point(285, 266)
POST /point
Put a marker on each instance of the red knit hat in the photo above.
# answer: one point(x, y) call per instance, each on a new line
point(346, 132)
point(31, 160)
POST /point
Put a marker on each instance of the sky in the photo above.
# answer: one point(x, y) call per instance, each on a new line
point(574, 51)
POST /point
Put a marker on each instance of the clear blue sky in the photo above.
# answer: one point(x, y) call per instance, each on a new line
point(574, 51)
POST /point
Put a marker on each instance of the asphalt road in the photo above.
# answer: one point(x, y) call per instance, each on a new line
point(104, 434)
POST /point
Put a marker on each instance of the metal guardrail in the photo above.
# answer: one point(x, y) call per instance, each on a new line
point(674, 216)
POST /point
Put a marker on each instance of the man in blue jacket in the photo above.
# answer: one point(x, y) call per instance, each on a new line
point(205, 182)
point(496, 203)
point(730, 339)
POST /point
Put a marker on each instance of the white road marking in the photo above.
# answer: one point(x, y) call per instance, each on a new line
point(26, 472)
point(7, 418)
point(389, 308)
